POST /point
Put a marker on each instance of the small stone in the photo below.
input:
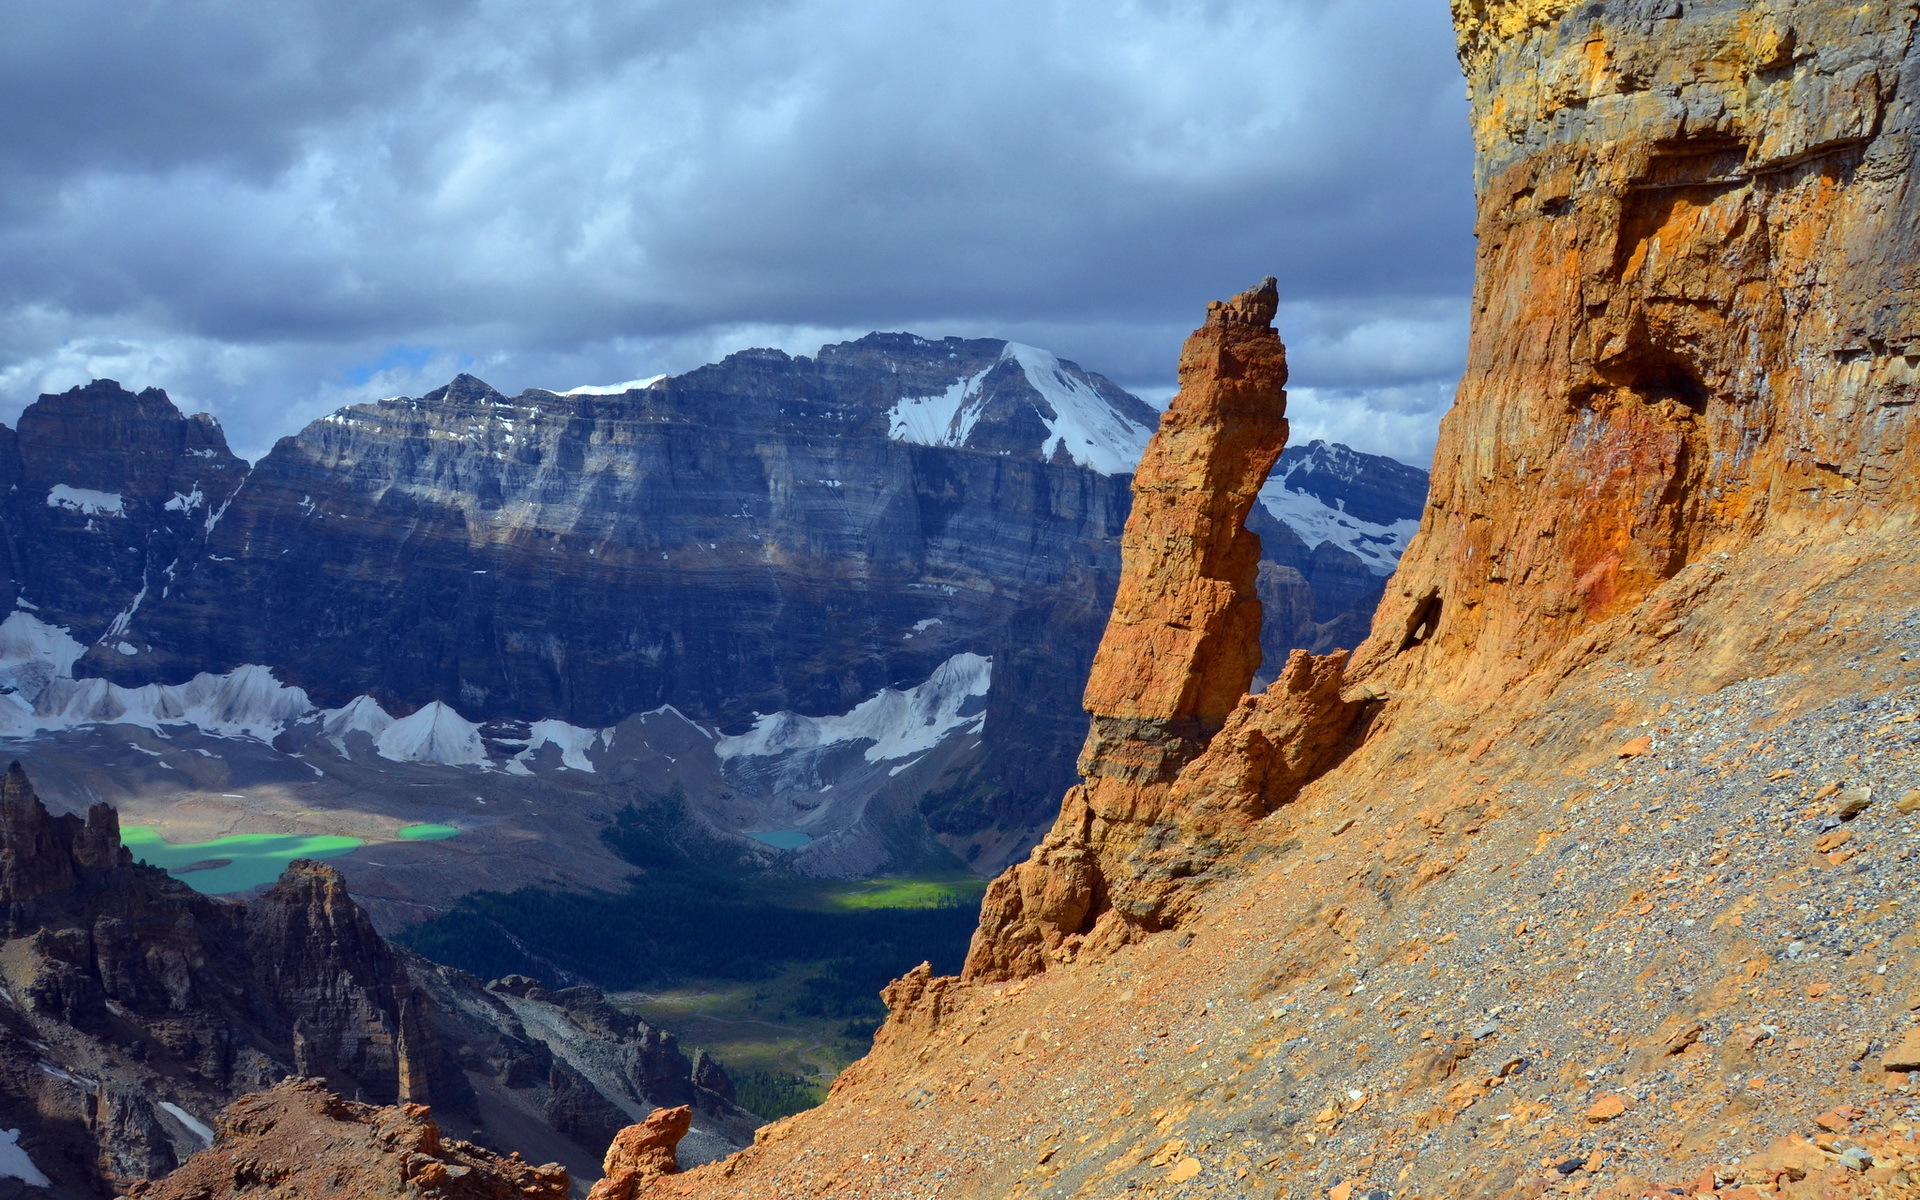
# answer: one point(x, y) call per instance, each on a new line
point(1482, 1032)
point(1904, 1055)
point(1341, 1191)
point(1856, 1158)
point(1909, 803)
point(1568, 1166)
point(1635, 748)
point(1835, 1120)
point(1852, 802)
point(1606, 1108)
point(1687, 1036)
point(1184, 1170)
point(1834, 840)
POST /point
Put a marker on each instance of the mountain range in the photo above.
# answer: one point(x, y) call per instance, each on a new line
point(844, 603)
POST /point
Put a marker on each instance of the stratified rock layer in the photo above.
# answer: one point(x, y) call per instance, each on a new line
point(766, 534)
point(1694, 315)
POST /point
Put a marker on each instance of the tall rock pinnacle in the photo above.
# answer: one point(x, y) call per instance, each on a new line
point(1183, 642)
point(1171, 677)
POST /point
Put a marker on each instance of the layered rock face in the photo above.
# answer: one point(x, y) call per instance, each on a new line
point(132, 1003)
point(743, 539)
point(127, 489)
point(1694, 314)
point(765, 535)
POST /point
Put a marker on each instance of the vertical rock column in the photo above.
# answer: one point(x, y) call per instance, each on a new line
point(1183, 642)
point(1180, 650)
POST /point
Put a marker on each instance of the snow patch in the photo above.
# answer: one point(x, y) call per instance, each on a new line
point(1091, 431)
point(362, 714)
point(194, 1125)
point(1378, 546)
point(119, 624)
point(900, 724)
point(42, 696)
point(435, 734)
point(26, 639)
point(85, 501)
point(943, 420)
point(15, 1164)
point(612, 389)
point(185, 503)
point(1084, 426)
point(574, 742)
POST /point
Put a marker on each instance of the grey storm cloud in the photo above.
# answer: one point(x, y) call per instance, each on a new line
point(273, 210)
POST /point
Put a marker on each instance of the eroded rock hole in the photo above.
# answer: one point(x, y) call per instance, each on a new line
point(1652, 375)
point(1423, 623)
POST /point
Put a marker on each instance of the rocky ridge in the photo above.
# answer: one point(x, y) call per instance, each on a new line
point(297, 1139)
point(1589, 880)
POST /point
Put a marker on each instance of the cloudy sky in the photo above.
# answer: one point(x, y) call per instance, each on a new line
point(274, 209)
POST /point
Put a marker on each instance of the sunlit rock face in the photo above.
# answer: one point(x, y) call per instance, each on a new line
point(768, 535)
point(1694, 317)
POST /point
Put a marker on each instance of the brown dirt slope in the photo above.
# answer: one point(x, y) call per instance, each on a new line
point(1591, 873)
point(297, 1139)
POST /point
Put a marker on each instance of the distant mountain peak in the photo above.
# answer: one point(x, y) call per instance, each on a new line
point(1059, 410)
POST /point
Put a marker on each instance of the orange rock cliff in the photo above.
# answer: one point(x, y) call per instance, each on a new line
point(1590, 872)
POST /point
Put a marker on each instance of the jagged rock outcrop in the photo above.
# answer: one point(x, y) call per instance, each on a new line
point(641, 1154)
point(335, 991)
point(298, 1139)
point(1172, 673)
point(133, 1008)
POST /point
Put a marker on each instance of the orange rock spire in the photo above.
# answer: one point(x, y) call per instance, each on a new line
point(1172, 673)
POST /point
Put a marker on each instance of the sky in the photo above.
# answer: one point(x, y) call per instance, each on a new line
point(273, 210)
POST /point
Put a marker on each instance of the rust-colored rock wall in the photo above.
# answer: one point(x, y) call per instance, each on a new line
point(1694, 315)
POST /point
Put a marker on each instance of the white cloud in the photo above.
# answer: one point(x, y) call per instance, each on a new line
point(269, 209)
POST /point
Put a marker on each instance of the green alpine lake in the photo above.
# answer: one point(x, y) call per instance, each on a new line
point(242, 861)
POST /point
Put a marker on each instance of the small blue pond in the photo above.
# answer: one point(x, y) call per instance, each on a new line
point(782, 839)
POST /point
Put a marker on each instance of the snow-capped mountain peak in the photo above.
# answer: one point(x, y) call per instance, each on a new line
point(1101, 431)
point(1364, 504)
